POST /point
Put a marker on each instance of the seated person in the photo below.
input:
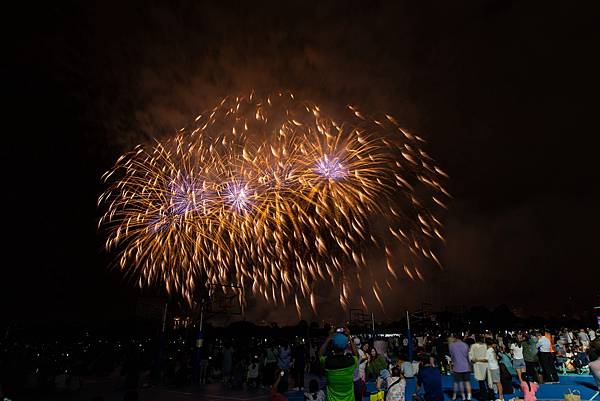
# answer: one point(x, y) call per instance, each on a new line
point(430, 378)
point(314, 393)
point(581, 361)
point(568, 366)
point(393, 383)
point(406, 368)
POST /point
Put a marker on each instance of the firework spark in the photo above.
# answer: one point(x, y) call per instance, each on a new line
point(274, 196)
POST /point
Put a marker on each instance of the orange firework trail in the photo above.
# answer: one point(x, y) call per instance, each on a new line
point(273, 196)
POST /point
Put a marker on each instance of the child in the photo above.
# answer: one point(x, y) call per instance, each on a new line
point(314, 393)
point(529, 388)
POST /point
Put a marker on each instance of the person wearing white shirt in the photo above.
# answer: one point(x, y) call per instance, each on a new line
point(570, 337)
point(516, 349)
point(360, 376)
point(584, 339)
point(494, 368)
point(543, 344)
point(591, 335)
point(546, 359)
point(477, 356)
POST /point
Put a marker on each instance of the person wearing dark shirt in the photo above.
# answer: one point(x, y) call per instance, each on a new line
point(278, 388)
point(530, 354)
point(299, 357)
point(430, 379)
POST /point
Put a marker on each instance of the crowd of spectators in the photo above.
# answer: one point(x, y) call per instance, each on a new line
point(346, 362)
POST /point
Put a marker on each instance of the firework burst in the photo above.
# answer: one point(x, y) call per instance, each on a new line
point(273, 196)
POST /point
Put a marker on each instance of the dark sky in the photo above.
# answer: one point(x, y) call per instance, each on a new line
point(505, 92)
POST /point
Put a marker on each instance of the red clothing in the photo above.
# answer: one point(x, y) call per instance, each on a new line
point(549, 337)
point(529, 395)
point(275, 396)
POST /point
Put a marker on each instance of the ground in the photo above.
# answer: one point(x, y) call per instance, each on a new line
point(214, 392)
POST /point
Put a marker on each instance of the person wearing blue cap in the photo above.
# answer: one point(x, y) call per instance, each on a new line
point(339, 367)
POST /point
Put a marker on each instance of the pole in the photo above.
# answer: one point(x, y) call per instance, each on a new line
point(161, 345)
point(199, 344)
point(164, 319)
point(373, 324)
point(409, 336)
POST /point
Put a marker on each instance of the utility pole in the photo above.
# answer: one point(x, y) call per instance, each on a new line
point(409, 336)
point(161, 345)
point(198, 345)
point(373, 324)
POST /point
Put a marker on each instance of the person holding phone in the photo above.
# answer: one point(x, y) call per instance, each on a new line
point(339, 367)
point(278, 388)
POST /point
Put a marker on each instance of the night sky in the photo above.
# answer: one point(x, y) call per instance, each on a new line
point(505, 93)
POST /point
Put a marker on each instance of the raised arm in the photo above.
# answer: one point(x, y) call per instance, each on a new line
point(274, 387)
point(352, 345)
point(323, 348)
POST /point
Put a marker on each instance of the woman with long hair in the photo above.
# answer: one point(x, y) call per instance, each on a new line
point(375, 364)
point(516, 350)
point(529, 387)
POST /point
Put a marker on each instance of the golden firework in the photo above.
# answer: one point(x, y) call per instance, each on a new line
point(274, 196)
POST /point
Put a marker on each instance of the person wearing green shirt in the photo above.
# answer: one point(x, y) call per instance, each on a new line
point(376, 364)
point(531, 358)
point(339, 367)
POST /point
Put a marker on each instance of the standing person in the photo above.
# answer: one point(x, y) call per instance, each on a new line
point(284, 357)
point(546, 359)
point(339, 368)
point(227, 362)
point(430, 379)
point(505, 359)
point(550, 338)
point(584, 339)
point(376, 364)
point(506, 375)
point(591, 335)
point(530, 355)
point(360, 375)
point(493, 367)
point(570, 337)
point(499, 340)
point(299, 355)
point(270, 364)
point(477, 356)
point(529, 388)
point(562, 335)
point(518, 362)
point(252, 373)
point(461, 368)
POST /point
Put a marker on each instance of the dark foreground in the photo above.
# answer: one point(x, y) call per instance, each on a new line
point(216, 391)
